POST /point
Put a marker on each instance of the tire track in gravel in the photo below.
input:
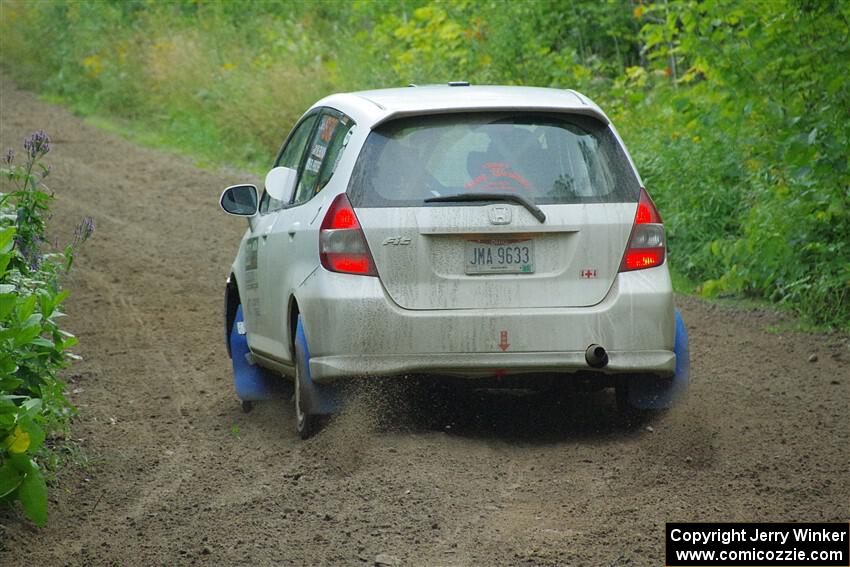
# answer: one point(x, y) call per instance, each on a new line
point(179, 476)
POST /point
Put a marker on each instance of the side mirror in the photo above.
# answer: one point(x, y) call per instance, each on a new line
point(240, 200)
point(280, 183)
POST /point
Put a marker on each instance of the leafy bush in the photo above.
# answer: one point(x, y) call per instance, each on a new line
point(764, 102)
point(33, 348)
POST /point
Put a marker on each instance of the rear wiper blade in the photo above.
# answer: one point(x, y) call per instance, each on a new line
point(465, 197)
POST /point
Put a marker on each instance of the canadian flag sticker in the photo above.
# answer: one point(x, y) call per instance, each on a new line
point(587, 273)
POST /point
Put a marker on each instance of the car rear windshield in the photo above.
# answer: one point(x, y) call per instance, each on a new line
point(548, 159)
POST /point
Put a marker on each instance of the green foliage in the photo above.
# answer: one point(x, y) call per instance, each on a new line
point(33, 348)
point(764, 93)
point(738, 113)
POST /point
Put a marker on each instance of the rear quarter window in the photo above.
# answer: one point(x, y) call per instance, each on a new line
point(550, 159)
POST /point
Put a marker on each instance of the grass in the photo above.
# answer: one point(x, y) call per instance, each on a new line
point(188, 136)
point(196, 142)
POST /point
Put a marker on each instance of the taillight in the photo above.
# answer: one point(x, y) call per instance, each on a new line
point(342, 244)
point(646, 247)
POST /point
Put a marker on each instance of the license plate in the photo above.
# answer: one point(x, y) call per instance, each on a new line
point(500, 256)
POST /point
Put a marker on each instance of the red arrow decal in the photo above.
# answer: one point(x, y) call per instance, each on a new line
point(503, 341)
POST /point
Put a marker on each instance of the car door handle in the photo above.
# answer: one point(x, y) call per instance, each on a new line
point(267, 232)
point(294, 228)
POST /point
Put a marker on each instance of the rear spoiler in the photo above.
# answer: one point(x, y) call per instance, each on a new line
point(584, 111)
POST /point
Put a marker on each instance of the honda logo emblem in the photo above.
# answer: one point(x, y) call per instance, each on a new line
point(499, 215)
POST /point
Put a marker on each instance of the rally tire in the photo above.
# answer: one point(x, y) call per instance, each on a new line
point(306, 423)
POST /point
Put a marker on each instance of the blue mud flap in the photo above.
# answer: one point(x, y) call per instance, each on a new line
point(252, 382)
point(648, 392)
point(319, 399)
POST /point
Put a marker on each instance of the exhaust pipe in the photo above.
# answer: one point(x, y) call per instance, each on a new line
point(596, 356)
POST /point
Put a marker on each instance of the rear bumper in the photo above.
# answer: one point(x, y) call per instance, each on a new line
point(659, 362)
point(355, 329)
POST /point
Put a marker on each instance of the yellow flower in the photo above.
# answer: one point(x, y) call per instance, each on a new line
point(93, 66)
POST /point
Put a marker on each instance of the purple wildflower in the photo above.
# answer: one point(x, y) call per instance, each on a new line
point(38, 144)
point(9, 156)
point(83, 231)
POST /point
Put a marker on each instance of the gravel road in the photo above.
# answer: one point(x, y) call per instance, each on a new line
point(173, 473)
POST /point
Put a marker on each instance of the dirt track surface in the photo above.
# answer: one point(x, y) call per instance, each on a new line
point(178, 475)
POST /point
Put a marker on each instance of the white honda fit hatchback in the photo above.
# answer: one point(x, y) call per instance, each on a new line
point(452, 231)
